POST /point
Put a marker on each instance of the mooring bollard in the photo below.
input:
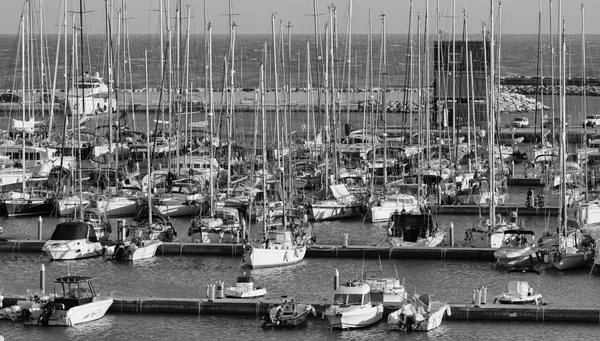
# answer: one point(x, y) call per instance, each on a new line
point(484, 299)
point(40, 228)
point(211, 292)
point(42, 279)
point(220, 290)
point(477, 298)
point(344, 240)
point(336, 279)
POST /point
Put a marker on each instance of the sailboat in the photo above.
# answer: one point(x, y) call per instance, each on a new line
point(571, 249)
point(145, 237)
point(283, 239)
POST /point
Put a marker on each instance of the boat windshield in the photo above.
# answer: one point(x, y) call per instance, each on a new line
point(348, 299)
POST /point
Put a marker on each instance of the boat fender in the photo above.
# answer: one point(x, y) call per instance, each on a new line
point(555, 257)
point(296, 253)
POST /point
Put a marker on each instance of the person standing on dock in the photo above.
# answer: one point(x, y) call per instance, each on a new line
point(529, 199)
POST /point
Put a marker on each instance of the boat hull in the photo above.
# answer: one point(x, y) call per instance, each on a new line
point(118, 207)
point(20, 207)
point(146, 249)
point(318, 212)
point(430, 321)
point(71, 249)
point(353, 317)
point(256, 257)
point(76, 315)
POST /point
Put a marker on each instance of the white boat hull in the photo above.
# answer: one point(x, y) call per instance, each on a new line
point(430, 321)
point(233, 293)
point(319, 212)
point(68, 205)
point(76, 315)
point(265, 258)
point(353, 317)
point(434, 241)
point(118, 206)
point(147, 249)
point(71, 249)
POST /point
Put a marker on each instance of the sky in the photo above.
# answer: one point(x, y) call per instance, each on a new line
point(254, 16)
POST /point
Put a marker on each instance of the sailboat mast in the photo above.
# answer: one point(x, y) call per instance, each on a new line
point(264, 146)
point(349, 61)
point(210, 116)
point(584, 86)
point(427, 84)
point(492, 132)
point(23, 104)
point(81, 48)
point(383, 99)
point(563, 127)
point(148, 159)
point(276, 92)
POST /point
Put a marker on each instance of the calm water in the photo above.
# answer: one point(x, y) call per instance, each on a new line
point(311, 280)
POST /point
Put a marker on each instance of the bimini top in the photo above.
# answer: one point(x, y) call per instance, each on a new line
point(73, 230)
point(73, 279)
point(354, 288)
point(519, 232)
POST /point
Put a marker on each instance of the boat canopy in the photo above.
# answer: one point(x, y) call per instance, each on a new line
point(245, 279)
point(519, 232)
point(524, 269)
point(353, 287)
point(74, 230)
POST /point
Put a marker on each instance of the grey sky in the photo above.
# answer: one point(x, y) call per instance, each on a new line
point(518, 16)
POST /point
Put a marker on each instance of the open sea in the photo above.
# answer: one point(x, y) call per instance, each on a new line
point(311, 280)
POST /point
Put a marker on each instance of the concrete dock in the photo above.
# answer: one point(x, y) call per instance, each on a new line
point(313, 251)
point(258, 307)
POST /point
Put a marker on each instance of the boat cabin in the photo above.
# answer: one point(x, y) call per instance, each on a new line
point(72, 291)
point(411, 226)
point(352, 293)
point(33, 155)
point(74, 230)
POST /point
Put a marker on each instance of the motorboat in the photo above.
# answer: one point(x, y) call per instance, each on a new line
point(225, 226)
point(287, 313)
point(518, 249)
point(132, 250)
point(74, 302)
point(520, 292)
point(284, 241)
point(352, 307)
point(245, 288)
point(73, 240)
point(415, 229)
point(420, 314)
point(390, 291)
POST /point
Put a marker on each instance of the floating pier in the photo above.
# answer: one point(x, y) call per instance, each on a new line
point(313, 251)
point(259, 307)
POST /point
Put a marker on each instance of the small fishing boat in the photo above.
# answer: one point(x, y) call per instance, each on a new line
point(73, 240)
point(74, 301)
point(389, 291)
point(245, 288)
point(288, 313)
point(352, 307)
point(132, 250)
point(520, 292)
point(421, 313)
point(518, 249)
